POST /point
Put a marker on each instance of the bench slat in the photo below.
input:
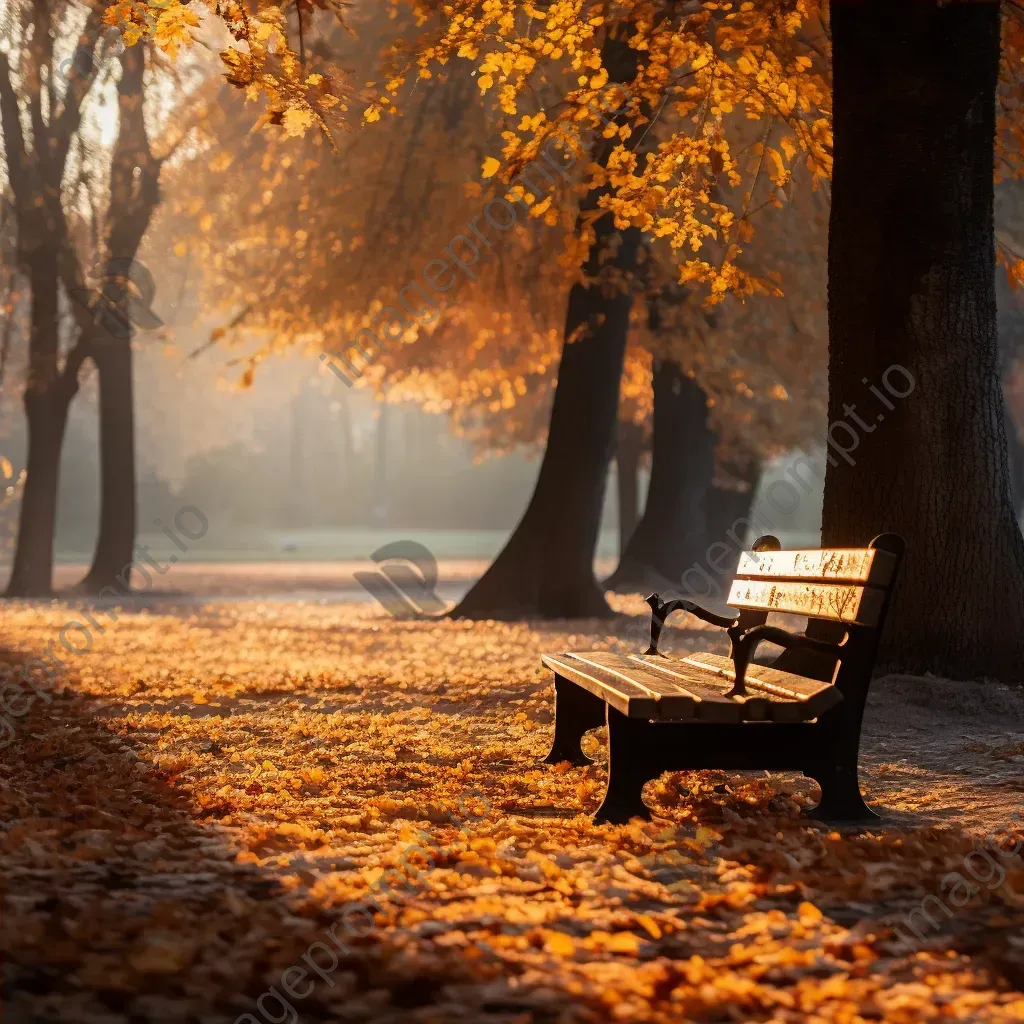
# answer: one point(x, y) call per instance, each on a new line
point(672, 702)
point(678, 691)
point(812, 695)
point(710, 690)
point(838, 602)
point(855, 565)
point(622, 695)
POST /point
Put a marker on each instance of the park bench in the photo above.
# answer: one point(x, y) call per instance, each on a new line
point(800, 713)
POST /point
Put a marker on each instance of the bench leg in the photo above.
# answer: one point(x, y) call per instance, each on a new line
point(576, 712)
point(841, 798)
point(630, 742)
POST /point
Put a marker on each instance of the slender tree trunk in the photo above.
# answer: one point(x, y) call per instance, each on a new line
point(912, 313)
point(47, 397)
point(348, 459)
point(134, 195)
point(672, 535)
point(381, 489)
point(34, 172)
point(116, 540)
point(627, 479)
point(32, 572)
point(296, 513)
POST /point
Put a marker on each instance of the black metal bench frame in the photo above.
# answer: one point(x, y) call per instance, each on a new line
point(825, 749)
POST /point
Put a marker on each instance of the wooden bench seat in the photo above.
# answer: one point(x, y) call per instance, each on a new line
point(802, 712)
point(668, 690)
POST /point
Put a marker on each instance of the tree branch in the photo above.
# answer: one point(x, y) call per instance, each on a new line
point(67, 119)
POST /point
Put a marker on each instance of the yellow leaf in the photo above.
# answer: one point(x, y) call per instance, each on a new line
point(296, 120)
point(649, 925)
point(268, 766)
point(624, 942)
point(706, 836)
point(809, 913)
point(5, 465)
point(371, 113)
point(560, 944)
point(485, 82)
point(490, 167)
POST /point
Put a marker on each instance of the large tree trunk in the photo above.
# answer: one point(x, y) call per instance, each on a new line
point(627, 479)
point(672, 535)
point(113, 358)
point(547, 566)
point(912, 314)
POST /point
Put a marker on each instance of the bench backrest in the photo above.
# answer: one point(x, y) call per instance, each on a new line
point(847, 585)
point(841, 590)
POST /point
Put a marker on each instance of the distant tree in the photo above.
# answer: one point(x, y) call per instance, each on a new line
point(734, 386)
point(79, 222)
point(36, 162)
point(134, 193)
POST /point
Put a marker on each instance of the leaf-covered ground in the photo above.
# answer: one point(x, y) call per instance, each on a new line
point(214, 786)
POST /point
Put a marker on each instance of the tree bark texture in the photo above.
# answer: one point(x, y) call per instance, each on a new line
point(912, 332)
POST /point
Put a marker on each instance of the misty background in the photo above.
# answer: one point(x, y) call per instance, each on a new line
point(300, 467)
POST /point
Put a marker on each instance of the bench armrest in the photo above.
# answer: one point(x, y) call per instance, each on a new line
point(661, 610)
point(743, 648)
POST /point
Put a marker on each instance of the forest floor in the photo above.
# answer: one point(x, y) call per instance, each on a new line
point(190, 828)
